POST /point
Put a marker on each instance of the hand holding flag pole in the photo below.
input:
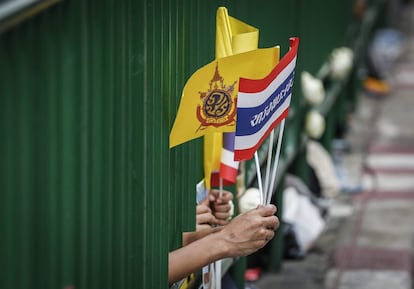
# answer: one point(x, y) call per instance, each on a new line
point(193, 117)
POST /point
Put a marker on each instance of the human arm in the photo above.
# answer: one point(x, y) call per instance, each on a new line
point(192, 257)
point(244, 235)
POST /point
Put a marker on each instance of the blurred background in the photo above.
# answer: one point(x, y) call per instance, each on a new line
point(91, 196)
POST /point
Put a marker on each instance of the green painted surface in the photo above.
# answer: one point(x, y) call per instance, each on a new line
point(91, 195)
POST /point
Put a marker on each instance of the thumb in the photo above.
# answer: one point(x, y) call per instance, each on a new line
point(267, 210)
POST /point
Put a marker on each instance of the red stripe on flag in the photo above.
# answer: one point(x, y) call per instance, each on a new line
point(228, 173)
point(254, 85)
point(215, 180)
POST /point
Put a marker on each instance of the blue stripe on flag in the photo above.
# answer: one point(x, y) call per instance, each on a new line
point(251, 120)
point(228, 141)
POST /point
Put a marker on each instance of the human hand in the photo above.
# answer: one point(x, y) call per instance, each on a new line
point(250, 231)
point(204, 217)
point(204, 221)
point(213, 210)
point(244, 235)
point(220, 205)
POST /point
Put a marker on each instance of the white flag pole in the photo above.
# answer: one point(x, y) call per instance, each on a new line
point(217, 273)
point(268, 164)
point(259, 176)
point(220, 187)
point(275, 163)
point(217, 264)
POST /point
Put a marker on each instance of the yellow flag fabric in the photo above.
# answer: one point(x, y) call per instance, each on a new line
point(208, 99)
point(212, 155)
point(233, 36)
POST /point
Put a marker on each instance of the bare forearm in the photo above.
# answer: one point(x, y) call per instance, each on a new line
point(244, 235)
point(184, 261)
point(189, 237)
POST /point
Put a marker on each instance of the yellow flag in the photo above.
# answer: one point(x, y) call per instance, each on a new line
point(208, 101)
point(232, 37)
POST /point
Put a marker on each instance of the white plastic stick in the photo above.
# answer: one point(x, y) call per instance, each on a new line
point(275, 163)
point(217, 274)
point(220, 187)
point(259, 176)
point(217, 264)
point(268, 164)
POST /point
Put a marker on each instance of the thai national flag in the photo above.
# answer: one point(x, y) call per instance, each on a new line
point(263, 103)
point(228, 166)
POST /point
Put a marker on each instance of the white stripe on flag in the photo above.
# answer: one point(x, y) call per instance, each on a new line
point(227, 158)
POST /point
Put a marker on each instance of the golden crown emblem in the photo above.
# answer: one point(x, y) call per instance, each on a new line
point(217, 107)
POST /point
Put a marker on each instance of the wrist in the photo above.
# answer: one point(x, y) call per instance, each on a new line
point(216, 247)
point(224, 248)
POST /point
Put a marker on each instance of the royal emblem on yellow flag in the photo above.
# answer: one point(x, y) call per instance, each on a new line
point(209, 96)
point(218, 106)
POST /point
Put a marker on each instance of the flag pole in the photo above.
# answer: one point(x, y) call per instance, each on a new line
point(217, 264)
point(217, 273)
point(276, 161)
point(268, 164)
point(220, 187)
point(259, 176)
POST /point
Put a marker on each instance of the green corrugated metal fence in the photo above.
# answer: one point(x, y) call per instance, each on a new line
point(91, 196)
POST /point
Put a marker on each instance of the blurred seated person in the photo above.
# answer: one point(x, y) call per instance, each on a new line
point(243, 235)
